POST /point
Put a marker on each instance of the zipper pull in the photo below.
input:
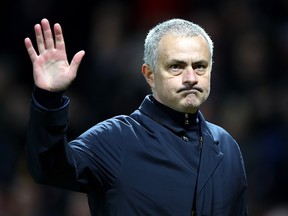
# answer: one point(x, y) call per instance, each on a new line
point(201, 142)
point(186, 119)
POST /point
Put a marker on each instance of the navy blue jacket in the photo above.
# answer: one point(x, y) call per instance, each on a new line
point(156, 162)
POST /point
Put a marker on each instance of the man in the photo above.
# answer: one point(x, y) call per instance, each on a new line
point(164, 158)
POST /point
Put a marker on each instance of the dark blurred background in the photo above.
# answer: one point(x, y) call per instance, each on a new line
point(249, 95)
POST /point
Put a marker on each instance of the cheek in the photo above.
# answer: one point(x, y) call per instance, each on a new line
point(168, 86)
point(206, 82)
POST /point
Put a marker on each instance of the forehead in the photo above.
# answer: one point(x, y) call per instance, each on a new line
point(172, 46)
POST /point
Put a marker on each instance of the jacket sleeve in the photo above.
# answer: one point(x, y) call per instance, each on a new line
point(46, 147)
point(90, 162)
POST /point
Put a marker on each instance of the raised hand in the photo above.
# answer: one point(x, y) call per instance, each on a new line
point(51, 69)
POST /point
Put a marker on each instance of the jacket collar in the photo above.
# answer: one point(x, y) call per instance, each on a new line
point(167, 117)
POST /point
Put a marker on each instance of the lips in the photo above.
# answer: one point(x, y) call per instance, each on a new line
point(190, 90)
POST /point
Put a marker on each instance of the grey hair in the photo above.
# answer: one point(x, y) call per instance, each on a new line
point(178, 27)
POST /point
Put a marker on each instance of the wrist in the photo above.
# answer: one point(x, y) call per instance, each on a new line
point(47, 99)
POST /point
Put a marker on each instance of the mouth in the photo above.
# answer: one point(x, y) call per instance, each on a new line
point(193, 90)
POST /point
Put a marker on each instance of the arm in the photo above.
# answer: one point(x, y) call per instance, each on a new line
point(48, 155)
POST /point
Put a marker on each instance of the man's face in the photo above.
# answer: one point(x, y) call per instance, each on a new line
point(182, 79)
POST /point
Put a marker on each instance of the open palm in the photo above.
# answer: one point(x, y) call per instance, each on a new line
point(51, 69)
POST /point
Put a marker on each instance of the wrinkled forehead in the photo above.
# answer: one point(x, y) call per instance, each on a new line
point(184, 47)
point(172, 41)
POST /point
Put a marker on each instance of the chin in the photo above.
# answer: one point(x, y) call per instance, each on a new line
point(188, 107)
point(192, 105)
point(191, 102)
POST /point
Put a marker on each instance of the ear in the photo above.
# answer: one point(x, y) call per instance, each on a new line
point(148, 74)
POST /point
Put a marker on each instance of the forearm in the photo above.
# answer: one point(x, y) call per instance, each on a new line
point(46, 146)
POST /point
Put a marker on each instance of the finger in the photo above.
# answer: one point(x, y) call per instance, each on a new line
point(76, 62)
point(59, 39)
point(48, 36)
point(39, 38)
point(30, 49)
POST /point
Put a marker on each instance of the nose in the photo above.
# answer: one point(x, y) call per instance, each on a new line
point(189, 76)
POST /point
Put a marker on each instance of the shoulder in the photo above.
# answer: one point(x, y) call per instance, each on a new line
point(120, 125)
point(221, 136)
point(217, 131)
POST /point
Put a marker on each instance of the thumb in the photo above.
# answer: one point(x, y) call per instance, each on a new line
point(74, 65)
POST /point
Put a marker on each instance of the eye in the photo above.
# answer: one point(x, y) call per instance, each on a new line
point(200, 67)
point(174, 67)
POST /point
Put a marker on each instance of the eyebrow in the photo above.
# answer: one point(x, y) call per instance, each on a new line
point(174, 61)
point(201, 62)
